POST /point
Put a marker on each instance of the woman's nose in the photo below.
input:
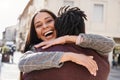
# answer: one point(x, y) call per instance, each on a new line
point(45, 26)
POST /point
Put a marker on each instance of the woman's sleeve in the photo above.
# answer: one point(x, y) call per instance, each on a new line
point(40, 60)
point(101, 44)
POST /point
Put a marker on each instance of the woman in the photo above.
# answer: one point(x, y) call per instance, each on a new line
point(49, 33)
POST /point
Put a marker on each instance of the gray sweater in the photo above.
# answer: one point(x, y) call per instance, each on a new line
point(45, 60)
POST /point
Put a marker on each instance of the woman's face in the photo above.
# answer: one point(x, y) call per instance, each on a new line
point(44, 26)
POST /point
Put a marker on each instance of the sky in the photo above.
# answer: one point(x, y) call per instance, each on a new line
point(9, 12)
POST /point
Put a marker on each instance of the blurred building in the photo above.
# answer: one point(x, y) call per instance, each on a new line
point(1, 43)
point(9, 35)
point(103, 16)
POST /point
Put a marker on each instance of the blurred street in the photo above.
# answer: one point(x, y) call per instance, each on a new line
point(114, 74)
point(16, 24)
point(10, 71)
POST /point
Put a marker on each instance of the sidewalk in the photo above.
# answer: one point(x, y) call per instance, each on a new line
point(9, 71)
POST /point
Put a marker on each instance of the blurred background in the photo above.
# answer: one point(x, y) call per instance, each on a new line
point(15, 18)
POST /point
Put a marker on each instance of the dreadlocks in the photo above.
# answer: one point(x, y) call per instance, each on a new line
point(70, 21)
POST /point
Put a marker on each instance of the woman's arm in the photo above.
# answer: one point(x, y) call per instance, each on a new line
point(101, 44)
point(47, 60)
point(39, 60)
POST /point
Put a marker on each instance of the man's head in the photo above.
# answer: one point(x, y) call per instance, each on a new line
point(70, 21)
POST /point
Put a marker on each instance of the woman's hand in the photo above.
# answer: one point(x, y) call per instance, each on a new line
point(50, 43)
point(46, 44)
point(81, 59)
point(60, 40)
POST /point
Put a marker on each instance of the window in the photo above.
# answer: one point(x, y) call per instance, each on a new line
point(68, 3)
point(98, 13)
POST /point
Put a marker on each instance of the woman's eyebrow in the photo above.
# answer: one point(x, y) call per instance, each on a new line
point(37, 22)
point(47, 17)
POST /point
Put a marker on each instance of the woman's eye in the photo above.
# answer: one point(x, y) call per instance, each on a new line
point(37, 26)
point(49, 21)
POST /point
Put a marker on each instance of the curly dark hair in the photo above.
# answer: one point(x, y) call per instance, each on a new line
point(70, 21)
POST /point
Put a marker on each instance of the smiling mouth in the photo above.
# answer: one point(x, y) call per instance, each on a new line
point(48, 33)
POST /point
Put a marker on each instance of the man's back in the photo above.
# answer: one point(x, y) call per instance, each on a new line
point(70, 70)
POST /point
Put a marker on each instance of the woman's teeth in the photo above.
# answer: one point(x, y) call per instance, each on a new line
point(48, 33)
